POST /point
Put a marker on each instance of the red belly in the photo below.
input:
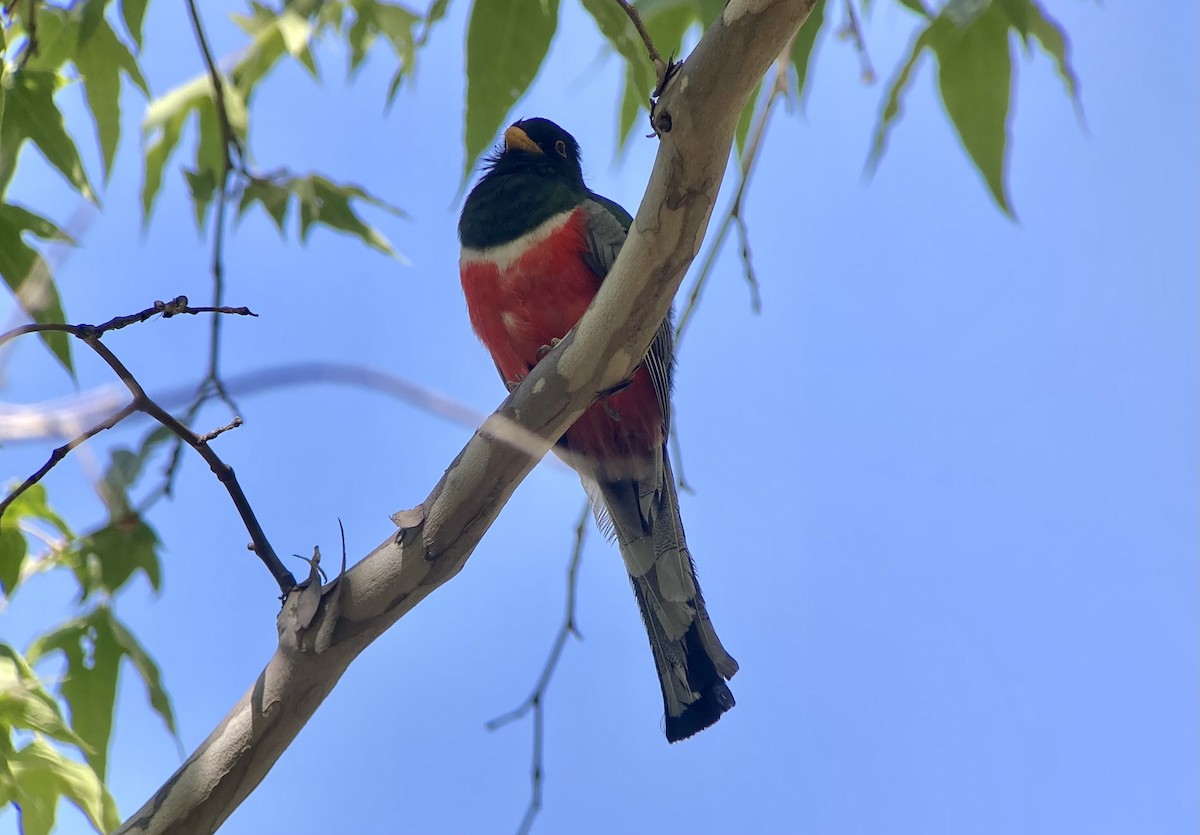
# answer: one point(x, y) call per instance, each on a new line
point(539, 297)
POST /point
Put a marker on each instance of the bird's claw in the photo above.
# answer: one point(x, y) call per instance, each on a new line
point(545, 349)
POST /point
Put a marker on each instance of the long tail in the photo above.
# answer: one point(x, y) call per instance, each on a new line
point(692, 665)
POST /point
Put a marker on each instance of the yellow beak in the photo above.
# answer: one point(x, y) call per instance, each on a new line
point(516, 139)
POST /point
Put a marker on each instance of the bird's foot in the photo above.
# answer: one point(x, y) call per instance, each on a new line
point(545, 349)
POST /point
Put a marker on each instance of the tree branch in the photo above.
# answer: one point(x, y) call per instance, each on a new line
point(142, 402)
point(319, 638)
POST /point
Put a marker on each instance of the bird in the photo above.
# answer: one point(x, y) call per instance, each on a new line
point(536, 243)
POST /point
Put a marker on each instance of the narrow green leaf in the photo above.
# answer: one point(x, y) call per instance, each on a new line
point(30, 112)
point(397, 24)
point(133, 12)
point(803, 48)
point(975, 77)
point(148, 670)
point(259, 58)
point(42, 775)
point(162, 127)
point(893, 99)
point(631, 106)
point(507, 41)
point(1031, 20)
point(27, 274)
point(437, 11)
point(157, 153)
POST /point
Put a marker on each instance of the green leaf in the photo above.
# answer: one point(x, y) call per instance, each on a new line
point(975, 77)
point(631, 105)
point(624, 38)
point(507, 41)
point(161, 129)
point(100, 59)
point(24, 702)
point(396, 23)
point(893, 100)
point(93, 647)
point(30, 112)
point(273, 197)
point(12, 556)
point(27, 274)
point(1031, 20)
point(31, 504)
point(203, 185)
point(275, 34)
point(58, 34)
point(296, 32)
point(163, 125)
point(971, 44)
point(90, 684)
point(133, 12)
point(41, 775)
point(108, 558)
point(146, 667)
point(916, 6)
point(437, 11)
point(325, 202)
point(803, 46)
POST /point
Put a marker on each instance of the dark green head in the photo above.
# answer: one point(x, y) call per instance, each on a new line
point(535, 174)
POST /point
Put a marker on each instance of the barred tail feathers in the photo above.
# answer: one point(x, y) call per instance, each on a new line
point(692, 664)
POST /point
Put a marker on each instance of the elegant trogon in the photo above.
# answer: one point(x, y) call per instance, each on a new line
point(536, 244)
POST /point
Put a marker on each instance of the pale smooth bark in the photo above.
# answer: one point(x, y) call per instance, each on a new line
point(322, 630)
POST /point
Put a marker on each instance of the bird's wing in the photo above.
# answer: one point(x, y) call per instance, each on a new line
point(607, 227)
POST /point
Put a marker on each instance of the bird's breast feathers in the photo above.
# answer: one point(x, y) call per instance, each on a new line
point(523, 293)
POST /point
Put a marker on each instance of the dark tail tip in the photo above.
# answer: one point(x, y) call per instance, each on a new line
point(701, 713)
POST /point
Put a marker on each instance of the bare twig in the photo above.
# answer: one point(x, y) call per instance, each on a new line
point(661, 67)
point(536, 702)
point(90, 335)
point(853, 31)
point(30, 49)
point(178, 306)
point(229, 138)
point(733, 218)
point(231, 161)
point(233, 424)
point(61, 452)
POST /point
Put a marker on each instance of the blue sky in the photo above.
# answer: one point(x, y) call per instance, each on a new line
point(946, 485)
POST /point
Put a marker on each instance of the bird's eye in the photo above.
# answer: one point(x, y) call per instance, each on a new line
point(561, 147)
